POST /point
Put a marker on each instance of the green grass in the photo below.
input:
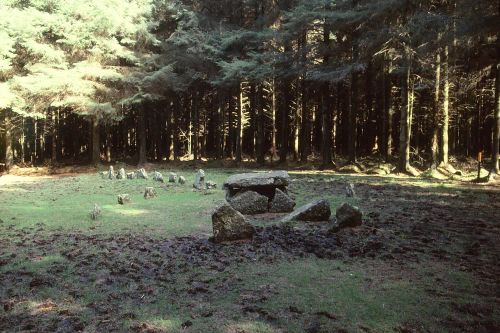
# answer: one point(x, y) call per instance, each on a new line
point(358, 294)
point(64, 204)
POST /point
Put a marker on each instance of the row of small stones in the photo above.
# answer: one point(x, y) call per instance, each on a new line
point(149, 192)
point(142, 174)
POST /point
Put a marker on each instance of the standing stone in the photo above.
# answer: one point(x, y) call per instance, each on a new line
point(121, 174)
point(249, 203)
point(230, 225)
point(149, 193)
point(210, 185)
point(123, 199)
point(142, 174)
point(199, 180)
point(172, 178)
point(182, 180)
point(348, 216)
point(318, 210)
point(157, 176)
point(349, 190)
point(95, 212)
point(111, 172)
point(281, 203)
point(131, 175)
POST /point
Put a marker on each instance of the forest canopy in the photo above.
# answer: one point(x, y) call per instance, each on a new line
point(408, 81)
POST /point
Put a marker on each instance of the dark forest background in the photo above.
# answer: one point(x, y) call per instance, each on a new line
point(411, 82)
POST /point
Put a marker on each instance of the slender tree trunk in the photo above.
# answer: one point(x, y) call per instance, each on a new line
point(496, 125)
point(405, 123)
point(274, 131)
point(53, 145)
point(196, 134)
point(436, 118)
point(296, 125)
point(96, 141)
point(125, 141)
point(352, 123)
point(285, 108)
point(141, 132)
point(370, 136)
point(305, 126)
point(239, 127)
point(389, 112)
point(446, 115)
point(108, 143)
point(231, 140)
point(305, 133)
point(326, 127)
point(222, 124)
point(9, 154)
point(260, 125)
point(253, 123)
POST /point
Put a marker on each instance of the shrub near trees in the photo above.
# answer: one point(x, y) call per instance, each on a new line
point(286, 79)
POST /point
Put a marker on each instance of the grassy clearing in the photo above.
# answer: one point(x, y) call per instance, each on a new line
point(44, 220)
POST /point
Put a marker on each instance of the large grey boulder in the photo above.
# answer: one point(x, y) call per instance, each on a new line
point(121, 174)
point(258, 181)
point(281, 203)
point(318, 210)
point(230, 225)
point(348, 216)
point(249, 203)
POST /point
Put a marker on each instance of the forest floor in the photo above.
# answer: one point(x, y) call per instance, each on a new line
point(425, 260)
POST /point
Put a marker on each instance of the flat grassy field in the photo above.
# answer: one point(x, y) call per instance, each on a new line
point(425, 260)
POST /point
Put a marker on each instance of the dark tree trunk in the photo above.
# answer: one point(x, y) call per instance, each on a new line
point(221, 127)
point(53, 142)
point(405, 124)
point(435, 124)
point(166, 119)
point(326, 126)
point(141, 133)
point(175, 127)
point(96, 141)
point(446, 115)
point(305, 133)
point(108, 143)
point(284, 123)
point(253, 122)
point(496, 125)
point(352, 121)
point(389, 112)
point(196, 120)
point(239, 129)
point(230, 138)
point(260, 125)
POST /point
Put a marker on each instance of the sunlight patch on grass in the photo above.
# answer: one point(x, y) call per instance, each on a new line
point(250, 327)
point(126, 211)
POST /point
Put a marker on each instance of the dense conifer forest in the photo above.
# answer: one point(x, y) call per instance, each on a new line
point(412, 82)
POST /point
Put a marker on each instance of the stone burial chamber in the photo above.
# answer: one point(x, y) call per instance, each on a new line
point(257, 193)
